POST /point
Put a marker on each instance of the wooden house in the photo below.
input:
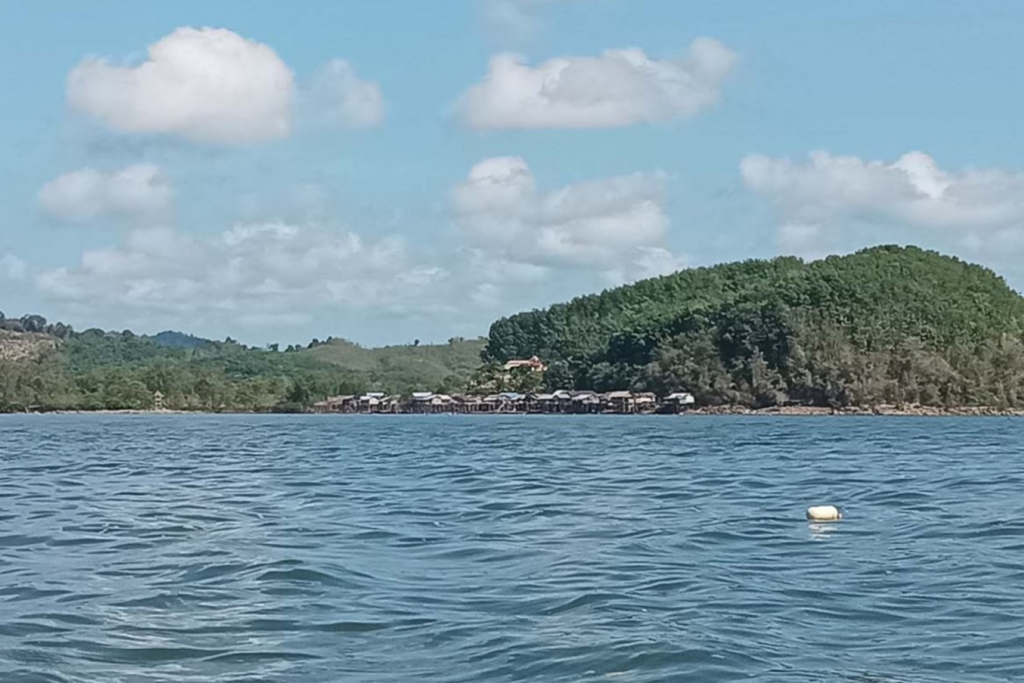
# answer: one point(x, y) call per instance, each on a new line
point(678, 402)
point(371, 402)
point(585, 402)
point(337, 404)
point(645, 402)
point(619, 402)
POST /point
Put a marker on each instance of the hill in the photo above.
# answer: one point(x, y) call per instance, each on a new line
point(97, 370)
point(18, 346)
point(406, 368)
point(56, 368)
point(884, 325)
point(179, 340)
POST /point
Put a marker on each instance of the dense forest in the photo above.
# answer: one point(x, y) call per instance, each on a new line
point(887, 325)
point(47, 366)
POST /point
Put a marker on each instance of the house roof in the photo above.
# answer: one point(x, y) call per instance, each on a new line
point(533, 362)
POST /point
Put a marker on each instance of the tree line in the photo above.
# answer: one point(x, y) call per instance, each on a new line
point(101, 370)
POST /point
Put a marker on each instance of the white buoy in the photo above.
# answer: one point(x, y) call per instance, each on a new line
point(824, 513)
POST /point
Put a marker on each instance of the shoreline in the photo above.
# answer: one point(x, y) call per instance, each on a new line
point(707, 411)
point(863, 411)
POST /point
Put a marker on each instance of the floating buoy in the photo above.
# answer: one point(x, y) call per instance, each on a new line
point(824, 513)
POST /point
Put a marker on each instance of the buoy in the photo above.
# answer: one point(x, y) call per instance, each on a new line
point(824, 513)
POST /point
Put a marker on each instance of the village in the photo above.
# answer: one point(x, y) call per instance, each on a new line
point(562, 401)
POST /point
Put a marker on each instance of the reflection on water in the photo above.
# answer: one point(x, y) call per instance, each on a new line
point(820, 531)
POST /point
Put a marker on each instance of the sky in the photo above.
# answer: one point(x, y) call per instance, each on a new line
point(397, 170)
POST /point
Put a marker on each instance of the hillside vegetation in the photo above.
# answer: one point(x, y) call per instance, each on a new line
point(407, 368)
point(20, 346)
point(55, 368)
point(886, 325)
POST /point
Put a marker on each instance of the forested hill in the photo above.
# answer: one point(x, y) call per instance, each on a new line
point(46, 366)
point(884, 325)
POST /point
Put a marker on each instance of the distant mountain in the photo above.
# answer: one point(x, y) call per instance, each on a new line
point(179, 340)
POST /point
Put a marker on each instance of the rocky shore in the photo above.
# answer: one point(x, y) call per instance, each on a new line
point(880, 410)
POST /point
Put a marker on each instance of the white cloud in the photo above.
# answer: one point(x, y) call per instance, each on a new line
point(512, 19)
point(497, 269)
point(618, 88)
point(813, 197)
point(617, 225)
point(247, 275)
point(489, 277)
point(339, 97)
point(800, 238)
point(647, 262)
point(207, 85)
point(138, 194)
point(13, 268)
point(515, 20)
point(519, 246)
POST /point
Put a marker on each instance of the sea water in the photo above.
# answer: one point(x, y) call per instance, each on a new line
point(500, 548)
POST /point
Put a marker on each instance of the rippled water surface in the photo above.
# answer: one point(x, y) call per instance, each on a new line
point(237, 548)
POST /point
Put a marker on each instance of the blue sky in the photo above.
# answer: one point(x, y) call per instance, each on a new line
point(385, 171)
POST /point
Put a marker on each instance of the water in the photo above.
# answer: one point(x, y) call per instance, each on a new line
point(217, 549)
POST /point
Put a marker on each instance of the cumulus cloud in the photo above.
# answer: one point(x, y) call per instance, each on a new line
point(616, 225)
point(137, 194)
point(519, 246)
point(13, 268)
point(619, 88)
point(339, 97)
point(207, 85)
point(815, 195)
point(275, 270)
